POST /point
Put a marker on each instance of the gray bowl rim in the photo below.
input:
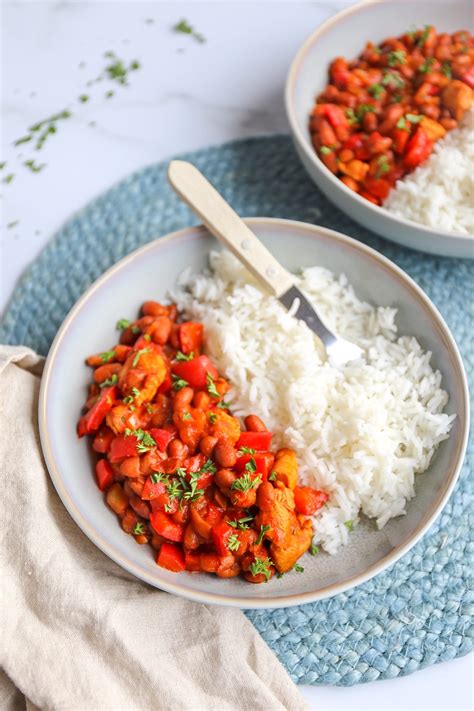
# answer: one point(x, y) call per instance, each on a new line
point(292, 76)
point(293, 599)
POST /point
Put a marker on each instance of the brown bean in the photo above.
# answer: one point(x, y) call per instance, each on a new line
point(225, 454)
point(392, 114)
point(265, 496)
point(129, 521)
point(191, 538)
point(142, 508)
point(448, 123)
point(127, 337)
point(105, 372)
point(207, 445)
point(177, 449)
point(369, 122)
point(131, 467)
point(254, 424)
point(224, 478)
point(117, 499)
point(160, 330)
point(183, 398)
point(153, 308)
point(174, 336)
point(201, 400)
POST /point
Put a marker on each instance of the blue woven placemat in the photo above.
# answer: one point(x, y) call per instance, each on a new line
point(420, 610)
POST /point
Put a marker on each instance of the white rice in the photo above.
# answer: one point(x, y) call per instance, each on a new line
point(440, 193)
point(361, 432)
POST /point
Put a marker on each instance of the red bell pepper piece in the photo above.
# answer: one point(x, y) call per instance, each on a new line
point(214, 515)
point(167, 383)
point(255, 440)
point(152, 490)
point(418, 149)
point(400, 139)
point(122, 447)
point(104, 474)
point(220, 536)
point(96, 415)
point(81, 427)
point(164, 502)
point(190, 335)
point(309, 500)
point(369, 197)
point(334, 114)
point(161, 437)
point(103, 440)
point(195, 371)
point(378, 187)
point(261, 463)
point(468, 76)
point(166, 527)
point(171, 557)
point(192, 561)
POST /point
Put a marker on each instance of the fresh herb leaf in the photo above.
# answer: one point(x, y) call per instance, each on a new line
point(13, 224)
point(298, 568)
point(3, 164)
point(186, 416)
point(246, 450)
point(51, 120)
point(174, 489)
point(245, 483)
point(263, 530)
point(8, 178)
point(426, 66)
point(24, 139)
point(233, 543)
point(396, 57)
point(84, 98)
point(139, 529)
point(349, 525)
point(414, 118)
point(122, 324)
point(376, 90)
point(185, 28)
point(223, 405)
point(273, 476)
point(261, 566)
point(136, 330)
point(242, 523)
point(178, 383)
point(138, 355)
point(180, 356)
point(325, 150)
point(424, 36)
point(212, 418)
point(110, 381)
point(34, 167)
point(211, 386)
point(351, 117)
point(446, 70)
point(383, 166)
point(156, 477)
point(251, 466)
point(314, 550)
point(208, 466)
point(106, 356)
point(145, 440)
point(393, 79)
point(363, 109)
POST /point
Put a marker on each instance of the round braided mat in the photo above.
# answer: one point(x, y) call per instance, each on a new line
point(419, 611)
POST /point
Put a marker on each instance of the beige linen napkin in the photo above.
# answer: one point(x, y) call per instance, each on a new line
point(78, 632)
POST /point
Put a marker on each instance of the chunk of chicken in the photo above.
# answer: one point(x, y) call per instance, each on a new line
point(144, 370)
point(457, 97)
point(298, 543)
point(285, 467)
point(225, 426)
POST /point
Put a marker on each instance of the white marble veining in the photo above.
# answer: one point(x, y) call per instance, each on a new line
point(186, 95)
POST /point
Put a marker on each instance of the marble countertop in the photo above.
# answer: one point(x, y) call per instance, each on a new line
point(185, 95)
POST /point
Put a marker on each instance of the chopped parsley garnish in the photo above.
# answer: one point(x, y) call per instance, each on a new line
point(185, 28)
point(351, 117)
point(130, 398)
point(84, 98)
point(261, 566)
point(212, 418)
point(402, 122)
point(251, 465)
point(110, 381)
point(233, 543)
point(138, 355)
point(298, 568)
point(122, 324)
point(363, 109)
point(34, 167)
point(156, 477)
point(314, 550)
point(136, 330)
point(246, 450)
point(263, 530)
point(414, 118)
point(109, 94)
point(174, 489)
point(241, 523)
point(211, 386)
point(147, 337)
point(8, 178)
point(424, 36)
point(382, 166)
point(273, 476)
point(396, 57)
point(223, 405)
point(376, 90)
point(145, 440)
point(325, 150)
point(117, 70)
point(139, 529)
point(349, 525)
point(13, 224)
point(178, 383)
point(426, 66)
point(106, 356)
point(208, 466)
point(245, 483)
point(187, 416)
point(24, 139)
point(394, 80)
point(446, 70)
point(183, 357)
point(3, 164)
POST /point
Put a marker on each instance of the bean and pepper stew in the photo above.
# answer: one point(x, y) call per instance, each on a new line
point(176, 466)
point(380, 115)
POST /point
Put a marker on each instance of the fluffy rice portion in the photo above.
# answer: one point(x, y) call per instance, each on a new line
point(361, 432)
point(440, 193)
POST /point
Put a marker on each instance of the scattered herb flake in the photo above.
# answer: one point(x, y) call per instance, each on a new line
point(8, 178)
point(84, 98)
point(446, 70)
point(314, 550)
point(241, 523)
point(122, 324)
point(110, 381)
point(298, 568)
point(211, 386)
point(185, 28)
point(246, 450)
point(233, 543)
point(396, 57)
point(349, 525)
point(263, 530)
point(183, 357)
point(187, 416)
point(393, 79)
point(261, 566)
point(325, 150)
point(212, 418)
point(223, 405)
point(107, 356)
point(109, 94)
point(178, 383)
point(34, 167)
point(13, 224)
point(139, 529)
point(383, 166)
point(138, 355)
point(426, 66)
point(245, 483)
point(24, 139)
point(273, 476)
point(376, 90)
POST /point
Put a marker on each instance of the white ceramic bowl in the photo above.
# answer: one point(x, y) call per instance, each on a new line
point(149, 273)
point(345, 34)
